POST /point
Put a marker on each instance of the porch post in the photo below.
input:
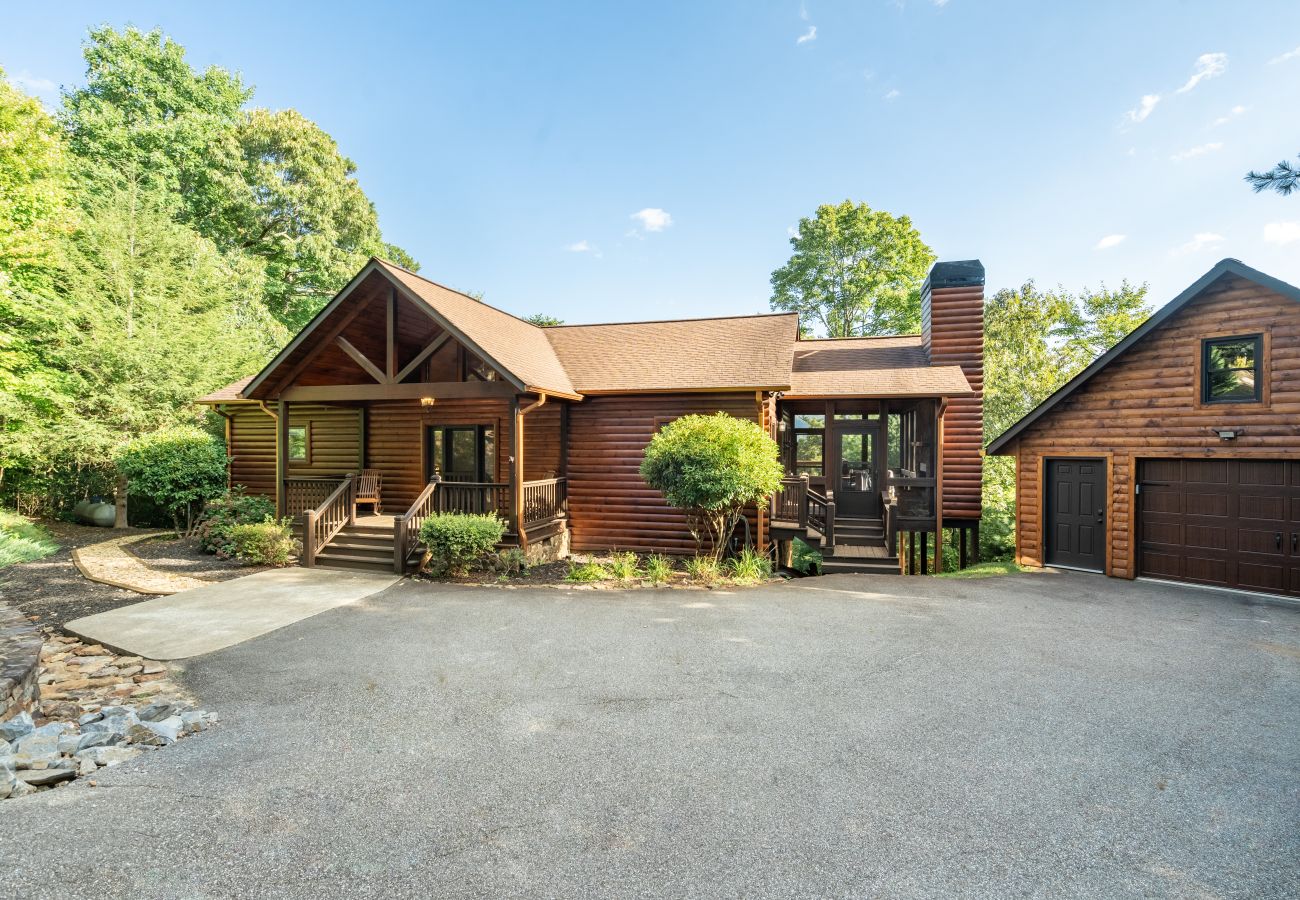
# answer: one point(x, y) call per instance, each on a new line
point(516, 469)
point(942, 406)
point(281, 457)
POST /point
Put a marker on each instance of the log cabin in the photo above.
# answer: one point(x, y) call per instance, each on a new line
point(1176, 454)
point(458, 406)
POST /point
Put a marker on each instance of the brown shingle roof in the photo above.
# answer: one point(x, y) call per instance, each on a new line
point(518, 347)
point(228, 393)
point(871, 367)
point(685, 354)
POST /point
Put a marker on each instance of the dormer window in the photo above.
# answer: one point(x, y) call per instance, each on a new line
point(1232, 369)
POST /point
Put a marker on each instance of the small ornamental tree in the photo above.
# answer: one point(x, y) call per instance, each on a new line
point(179, 469)
point(711, 468)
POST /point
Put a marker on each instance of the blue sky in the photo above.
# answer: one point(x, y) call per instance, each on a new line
point(510, 147)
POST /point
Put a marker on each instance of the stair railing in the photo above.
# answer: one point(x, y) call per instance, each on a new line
point(320, 524)
point(821, 516)
point(406, 527)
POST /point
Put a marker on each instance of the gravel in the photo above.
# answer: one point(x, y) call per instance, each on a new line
point(1053, 735)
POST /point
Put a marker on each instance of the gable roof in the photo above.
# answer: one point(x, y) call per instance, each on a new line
point(731, 353)
point(896, 366)
point(1225, 267)
point(228, 394)
point(511, 345)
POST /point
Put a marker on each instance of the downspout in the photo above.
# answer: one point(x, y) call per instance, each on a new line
point(519, 467)
point(220, 409)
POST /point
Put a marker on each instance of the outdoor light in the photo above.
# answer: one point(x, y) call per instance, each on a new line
point(1228, 434)
point(426, 401)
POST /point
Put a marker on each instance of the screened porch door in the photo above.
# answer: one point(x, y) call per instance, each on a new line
point(856, 475)
point(462, 453)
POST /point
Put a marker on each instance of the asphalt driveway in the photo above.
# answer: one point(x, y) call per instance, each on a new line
point(1044, 735)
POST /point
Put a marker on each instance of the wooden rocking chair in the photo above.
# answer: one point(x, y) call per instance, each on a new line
point(368, 490)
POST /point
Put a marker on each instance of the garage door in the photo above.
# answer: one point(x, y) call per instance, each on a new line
point(1227, 522)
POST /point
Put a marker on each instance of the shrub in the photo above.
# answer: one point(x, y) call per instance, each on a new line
point(705, 569)
point(510, 561)
point(658, 568)
point(222, 514)
point(711, 468)
point(750, 566)
point(458, 541)
point(22, 541)
point(805, 560)
point(623, 566)
point(266, 543)
point(586, 573)
point(180, 469)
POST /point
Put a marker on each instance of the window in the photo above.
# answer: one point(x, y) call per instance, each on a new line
point(1232, 369)
point(299, 443)
point(463, 453)
point(809, 445)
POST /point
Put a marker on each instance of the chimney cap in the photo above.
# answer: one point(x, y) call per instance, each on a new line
point(956, 273)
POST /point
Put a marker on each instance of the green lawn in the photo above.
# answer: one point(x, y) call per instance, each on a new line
point(21, 540)
point(988, 570)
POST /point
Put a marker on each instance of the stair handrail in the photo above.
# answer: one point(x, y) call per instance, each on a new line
point(319, 525)
point(406, 527)
point(821, 515)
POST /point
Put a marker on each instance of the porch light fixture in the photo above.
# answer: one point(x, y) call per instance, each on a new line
point(1228, 434)
point(426, 401)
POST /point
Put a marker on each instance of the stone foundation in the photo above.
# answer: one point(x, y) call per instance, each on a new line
point(548, 549)
point(20, 657)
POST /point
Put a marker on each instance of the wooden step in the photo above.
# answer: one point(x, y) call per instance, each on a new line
point(353, 548)
point(860, 566)
point(332, 560)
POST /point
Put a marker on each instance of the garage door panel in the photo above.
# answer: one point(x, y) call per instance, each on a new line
point(1253, 506)
point(1218, 522)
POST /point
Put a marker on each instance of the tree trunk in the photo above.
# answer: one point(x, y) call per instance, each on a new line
point(119, 520)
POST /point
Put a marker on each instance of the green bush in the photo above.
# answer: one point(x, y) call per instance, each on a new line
point(711, 468)
point(805, 560)
point(180, 469)
point(623, 566)
point(222, 514)
point(458, 541)
point(510, 561)
point(21, 540)
point(587, 572)
point(750, 566)
point(658, 568)
point(266, 543)
point(704, 569)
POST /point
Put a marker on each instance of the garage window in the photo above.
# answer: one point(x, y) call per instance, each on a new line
point(1232, 369)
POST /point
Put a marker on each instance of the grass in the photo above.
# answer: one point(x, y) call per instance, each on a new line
point(704, 569)
point(988, 570)
point(750, 566)
point(623, 566)
point(586, 573)
point(21, 540)
point(658, 568)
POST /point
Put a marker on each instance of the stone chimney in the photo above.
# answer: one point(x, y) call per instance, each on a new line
point(952, 331)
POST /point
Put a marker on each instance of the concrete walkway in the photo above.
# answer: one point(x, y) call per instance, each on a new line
point(220, 615)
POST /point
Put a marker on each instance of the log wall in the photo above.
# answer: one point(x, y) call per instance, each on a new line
point(334, 436)
point(1146, 403)
point(953, 333)
point(610, 506)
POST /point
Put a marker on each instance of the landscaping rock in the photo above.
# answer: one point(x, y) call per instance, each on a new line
point(108, 756)
point(36, 748)
point(16, 727)
point(156, 712)
point(194, 720)
point(38, 778)
point(97, 739)
point(141, 734)
point(168, 729)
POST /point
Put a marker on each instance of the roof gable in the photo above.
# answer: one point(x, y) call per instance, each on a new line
point(1225, 268)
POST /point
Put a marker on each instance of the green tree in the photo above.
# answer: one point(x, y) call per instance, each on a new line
point(543, 320)
point(1283, 178)
point(711, 468)
point(854, 271)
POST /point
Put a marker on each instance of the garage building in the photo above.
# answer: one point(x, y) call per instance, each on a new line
point(1175, 455)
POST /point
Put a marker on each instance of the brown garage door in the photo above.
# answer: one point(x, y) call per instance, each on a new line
point(1227, 522)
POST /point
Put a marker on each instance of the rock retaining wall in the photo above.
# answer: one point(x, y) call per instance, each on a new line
point(20, 657)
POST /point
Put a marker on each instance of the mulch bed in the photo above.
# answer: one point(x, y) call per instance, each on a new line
point(184, 557)
point(51, 591)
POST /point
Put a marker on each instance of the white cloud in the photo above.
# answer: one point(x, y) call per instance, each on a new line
point(653, 219)
point(579, 247)
point(1144, 108)
point(803, 11)
point(1290, 54)
point(940, 2)
point(1232, 114)
point(809, 35)
point(34, 84)
point(1193, 152)
point(1282, 232)
point(1110, 240)
point(894, 94)
point(1199, 242)
point(1208, 65)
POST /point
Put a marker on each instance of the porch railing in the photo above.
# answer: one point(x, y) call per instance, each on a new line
point(406, 527)
point(545, 501)
point(790, 502)
point(472, 497)
point(320, 524)
point(306, 492)
point(821, 516)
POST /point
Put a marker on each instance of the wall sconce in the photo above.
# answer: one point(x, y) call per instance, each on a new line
point(426, 401)
point(1228, 434)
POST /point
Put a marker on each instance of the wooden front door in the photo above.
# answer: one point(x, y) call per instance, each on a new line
point(462, 453)
point(854, 471)
point(1076, 513)
point(1231, 523)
